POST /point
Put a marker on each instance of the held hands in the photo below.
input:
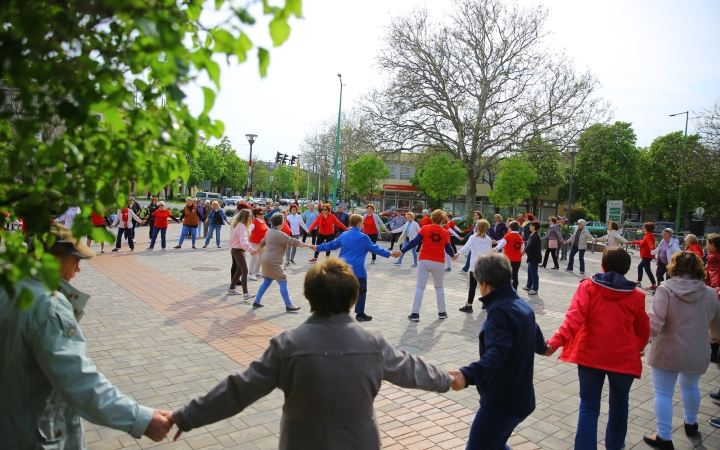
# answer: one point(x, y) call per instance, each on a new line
point(455, 256)
point(396, 254)
point(549, 351)
point(160, 425)
point(458, 380)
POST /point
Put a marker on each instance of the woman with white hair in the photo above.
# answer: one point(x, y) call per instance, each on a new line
point(160, 216)
point(578, 245)
point(667, 248)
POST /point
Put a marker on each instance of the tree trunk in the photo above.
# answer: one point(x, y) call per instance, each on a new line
point(470, 196)
point(603, 211)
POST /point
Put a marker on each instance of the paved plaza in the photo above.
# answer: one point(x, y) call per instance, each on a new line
point(162, 328)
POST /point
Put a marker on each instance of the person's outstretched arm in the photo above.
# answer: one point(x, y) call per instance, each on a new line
point(409, 371)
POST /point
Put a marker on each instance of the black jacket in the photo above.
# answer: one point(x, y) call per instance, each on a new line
point(151, 209)
point(508, 338)
point(533, 249)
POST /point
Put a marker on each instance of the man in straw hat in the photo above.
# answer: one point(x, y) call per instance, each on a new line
point(47, 380)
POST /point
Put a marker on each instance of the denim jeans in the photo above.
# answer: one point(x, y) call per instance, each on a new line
point(414, 253)
point(127, 233)
point(645, 264)
point(362, 295)
point(591, 385)
point(466, 267)
point(162, 232)
point(214, 228)
point(491, 430)
point(581, 257)
point(664, 385)
point(533, 278)
point(283, 291)
point(188, 229)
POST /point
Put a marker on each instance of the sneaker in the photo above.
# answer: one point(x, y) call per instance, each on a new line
point(287, 263)
point(715, 422)
point(233, 292)
point(582, 273)
point(362, 317)
point(555, 268)
point(116, 249)
point(372, 261)
point(134, 241)
point(178, 246)
point(715, 395)
point(292, 261)
point(252, 277)
point(414, 265)
point(415, 317)
point(448, 269)
point(466, 309)
point(312, 260)
point(654, 441)
point(132, 249)
point(194, 247)
point(248, 296)
point(463, 271)
point(568, 270)
point(164, 249)
point(205, 246)
point(149, 249)
point(532, 292)
point(397, 263)
point(442, 315)
point(257, 305)
point(638, 284)
point(690, 430)
point(526, 288)
point(292, 308)
point(652, 288)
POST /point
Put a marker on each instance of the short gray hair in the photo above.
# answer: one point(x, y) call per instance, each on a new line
point(277, 219)
point(669, 231)
point(493, 269)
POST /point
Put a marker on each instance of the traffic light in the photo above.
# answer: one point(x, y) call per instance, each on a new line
point(339, 194)
point(292, 160)
point(284, 159)
point(278, 158)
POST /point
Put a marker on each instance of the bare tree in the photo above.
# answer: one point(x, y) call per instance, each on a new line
point(479, 84)
point(707, 123)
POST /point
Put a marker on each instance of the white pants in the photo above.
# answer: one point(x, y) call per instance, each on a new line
point(255, 265)
point(425, 268)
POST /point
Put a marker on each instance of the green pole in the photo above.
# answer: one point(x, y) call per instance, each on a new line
point(682, 169)
point(337, 148)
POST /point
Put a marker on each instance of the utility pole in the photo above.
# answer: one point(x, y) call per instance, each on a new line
point(678, 214)
point(337, 148)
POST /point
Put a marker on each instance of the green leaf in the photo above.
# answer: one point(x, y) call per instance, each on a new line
point(209, 95)
point(279, 30)
point(25, 299)
point(294, 6)
point(264, 60)
point(213, 71)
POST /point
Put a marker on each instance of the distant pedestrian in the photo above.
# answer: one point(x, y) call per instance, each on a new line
point(396, 221)
point(525, 226)
point(152, 207)
point(99, 222)
point(613, 237)
point(425, 220)
point(372, 225)
point(712, 266)
point(239, 244)
point(407, 233)
point(512, 246)
point(190, 220)
point(68, 216)
point(692, 245)
point(533, 251)
point(258, 230)
point(216, 217)
point(605, 330)
point(137, 209)
point(296, 224)
point(202, 217)
point(647, 245)
point(124, 221)
point(578, 242)
point(498, 229)
point(309, 217)
point(274, 246)
point(206, 225)
point(565, 230)
point(478, 244)
point(342, 217)
point(161, 216)
point(477, 216)
point(554, 239)
point(325, 223)
point(274, 210)
point(509, 337)
point(668, 247)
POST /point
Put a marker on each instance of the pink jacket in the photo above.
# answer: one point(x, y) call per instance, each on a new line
point(238, 238)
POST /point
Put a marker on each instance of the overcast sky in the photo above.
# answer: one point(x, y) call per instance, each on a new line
point(653, 58)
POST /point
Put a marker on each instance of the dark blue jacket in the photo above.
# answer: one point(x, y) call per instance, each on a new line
point(497, 230)
point(354, 246)
point(509, 337)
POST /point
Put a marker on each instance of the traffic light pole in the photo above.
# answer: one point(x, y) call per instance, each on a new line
point(337, 149)
point(297, 179)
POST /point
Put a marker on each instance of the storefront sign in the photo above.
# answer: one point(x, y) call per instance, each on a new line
point(398, 187)
point(615, 210)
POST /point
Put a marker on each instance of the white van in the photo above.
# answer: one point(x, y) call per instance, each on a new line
point(212, 196)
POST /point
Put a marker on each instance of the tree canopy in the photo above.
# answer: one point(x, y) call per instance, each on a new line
point(366, 173)
point(284, 180)
point(104, 83)
point(513, 183)
point(439, 178)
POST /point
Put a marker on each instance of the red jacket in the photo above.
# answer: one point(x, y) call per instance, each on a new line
point(605, 328)
point(647, 245)
point(425, 221)
point(695, 248)
point(325, 225)
point(712, 267)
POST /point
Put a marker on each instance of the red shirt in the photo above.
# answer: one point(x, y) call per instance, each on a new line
point(434, 238)
point(326, 225)
point(713, 269)
point(425, 221)
point(259, 231)
point(513, 248)
point(286, 229)
point(449, 225)
point(695, 248)
point(161, 218)
point(370, 227)
point(97, 220)
point(647, 245)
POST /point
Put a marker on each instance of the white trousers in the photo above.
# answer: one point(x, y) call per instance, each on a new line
point(425, 269)
point(255, 265)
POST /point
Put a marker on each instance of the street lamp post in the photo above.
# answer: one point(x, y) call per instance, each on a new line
point(337, 147)
point(682, 169)
point(251, 139)
point(573, 151)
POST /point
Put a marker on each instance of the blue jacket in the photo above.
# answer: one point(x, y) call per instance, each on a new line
point(354, 246)
point(497, 230)
point(211, 216)
point(270, 214)
point(508, 338)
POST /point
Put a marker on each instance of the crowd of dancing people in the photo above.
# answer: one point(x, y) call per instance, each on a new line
point(606, 332)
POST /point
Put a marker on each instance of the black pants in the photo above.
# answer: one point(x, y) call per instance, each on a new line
point(131, 234)
point(645, 265)
point(126, 232)
point(151, 224)
point(515, 269)
point(393, 238)
point(661, 271)
point(313, 233)
point(553, 252)
point(321, 239)
point(373, 237)
point(473, 287)
point(239, 275)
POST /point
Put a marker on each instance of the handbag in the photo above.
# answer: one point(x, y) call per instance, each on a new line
point(553, 243)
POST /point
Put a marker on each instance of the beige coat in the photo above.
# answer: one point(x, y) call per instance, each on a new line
point(330, 370)
point(612, 239)
point(684, 316)
point(274, 245)
point(584, 237)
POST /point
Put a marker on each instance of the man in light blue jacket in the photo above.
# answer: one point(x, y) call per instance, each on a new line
point(47, 381)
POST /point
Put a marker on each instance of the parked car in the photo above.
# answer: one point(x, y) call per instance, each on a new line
point(633, 223)
point(398, 211)
point(235, 199)
point(595, 228)
point(659, 226)
point(212, 196)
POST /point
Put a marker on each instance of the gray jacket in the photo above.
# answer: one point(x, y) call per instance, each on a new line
point(583, 239)
point(47, 381)
point(330, 369)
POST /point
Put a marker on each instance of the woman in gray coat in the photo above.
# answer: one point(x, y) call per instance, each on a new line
point(330, 369)
point(554, 240)
point(684, 316)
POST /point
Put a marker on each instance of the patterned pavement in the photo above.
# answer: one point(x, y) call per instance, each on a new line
point(162, 328)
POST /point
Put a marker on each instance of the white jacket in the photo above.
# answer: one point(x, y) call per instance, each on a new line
point(295, 221)
point(672, 248)
point(613, 239)
point(118, 219)
point(409, 230)
point(478, 246)
point(378, 222)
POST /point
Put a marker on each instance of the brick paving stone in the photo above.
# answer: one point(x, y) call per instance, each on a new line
point(165, 333)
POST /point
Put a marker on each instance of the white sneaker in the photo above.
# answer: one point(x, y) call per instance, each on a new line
point(149, 249)
point(134, 241)
point(233, 292)
point(252, 277)
point(248, 296)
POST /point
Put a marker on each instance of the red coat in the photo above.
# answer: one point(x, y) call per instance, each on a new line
point(647, 245)
point(695, 248)
point(604, 328)
point(326, 225)
point(425, 221)
point(712, 267)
